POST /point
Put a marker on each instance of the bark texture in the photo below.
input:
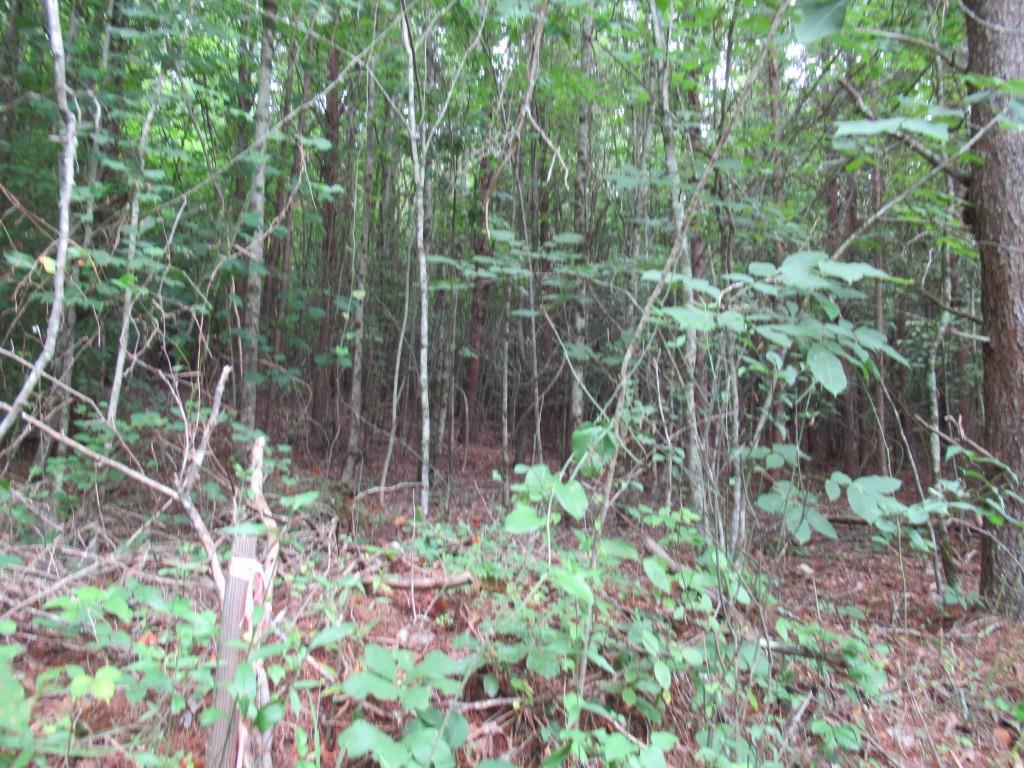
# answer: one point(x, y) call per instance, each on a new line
point(997, 196)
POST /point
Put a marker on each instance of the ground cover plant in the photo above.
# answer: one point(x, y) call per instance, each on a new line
point(511, 383)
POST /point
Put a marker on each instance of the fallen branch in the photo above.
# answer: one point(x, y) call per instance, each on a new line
point(56, 587)
point(485, 704)
point(424, 582)
point(181, 494)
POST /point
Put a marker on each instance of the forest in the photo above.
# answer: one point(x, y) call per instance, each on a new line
point(511, 383)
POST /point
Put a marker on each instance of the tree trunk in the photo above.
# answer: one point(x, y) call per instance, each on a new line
point(581, 222)
point(331, 244)
point(694, 442)
point(421, 259)
point(354, 451)
point(997, 195)
point(257, 203)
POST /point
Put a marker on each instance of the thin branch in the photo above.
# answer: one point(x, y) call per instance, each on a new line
point(67, 183)
point(880, 213)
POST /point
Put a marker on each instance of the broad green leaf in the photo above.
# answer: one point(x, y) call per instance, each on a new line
point(331, 635)
point(827, 369)
point(879, 484)
point(818, 19)
point(657, 573)
point(435, 665)
point(618, 549)
point(268, 716)
point(299, 501)
point(523, 519)
point(662, 674)
point(381, 660)
point(928, 128)
point(691, 318)
point(616, 747)
point(104, 685)
point(572, 583)
point(359, 685)
point(851, 272)
point(798, 271)
point(866, 127)
point(820, 523)
point(360, 739)
point(543, 662)
point(572, 498)
point(456, 730)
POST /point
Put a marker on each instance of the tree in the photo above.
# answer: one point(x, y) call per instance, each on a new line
point(995, 35)
point(257, 204)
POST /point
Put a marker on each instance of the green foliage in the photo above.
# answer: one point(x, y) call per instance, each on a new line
point(430, 737)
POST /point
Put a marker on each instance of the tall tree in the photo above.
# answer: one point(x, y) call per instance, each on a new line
point(257, 204)
point(995, 36)
point(355, 431)
point(581, 212)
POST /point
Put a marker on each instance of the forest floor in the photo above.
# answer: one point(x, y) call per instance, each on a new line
point(952, 671)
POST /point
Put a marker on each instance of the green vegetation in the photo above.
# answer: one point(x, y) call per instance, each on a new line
point(511, 383)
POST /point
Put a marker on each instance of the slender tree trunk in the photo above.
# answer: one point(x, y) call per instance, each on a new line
point(581, 222)
point(66, 342)
point(881, 410)
point(694, 469)
point(257, 203)
point(69, 139)
point(850, 407)
point(997, 194)
point(354, 452)
point(421, 259)
point(9, 84)
point(128, 298)
point(477, 313)
point(323, 356)
point(280, 282)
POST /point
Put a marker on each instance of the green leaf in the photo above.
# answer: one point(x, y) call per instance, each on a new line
point(879, 484)
point(572, 498)
point(818, 19)
point(104, 685)
point(558, 756)
point(523, 519)
point(693, 657)
point(691, 318)
point(299, 501)
point(657, 573)
point(820, 523)
point(268, 716)
point(826, 369)
point(928, 128)
point(456, 730)
point(331, 635)
point(618, 549)
point(572, 583)
point(380, 660)
point(490, 681)
point(662, 674)
point(360, 739)
point(435, 665)
point(543, 662)
point(362, 684)
point(851, 272)
point(616, 747)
